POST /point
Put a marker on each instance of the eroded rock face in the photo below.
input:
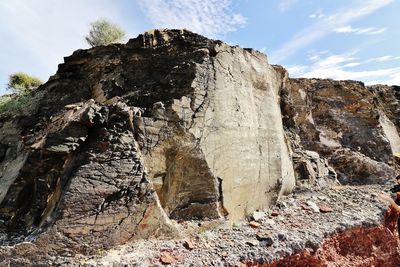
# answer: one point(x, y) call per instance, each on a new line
point(352, 126)
point(170, 125)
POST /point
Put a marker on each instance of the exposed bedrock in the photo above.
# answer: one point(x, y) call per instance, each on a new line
point(170, 125)
point(354, 127)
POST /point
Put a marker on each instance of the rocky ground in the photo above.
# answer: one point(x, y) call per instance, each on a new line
point(299, 221)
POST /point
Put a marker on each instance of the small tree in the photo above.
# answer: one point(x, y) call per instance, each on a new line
point(21, 82)
point(104, 32)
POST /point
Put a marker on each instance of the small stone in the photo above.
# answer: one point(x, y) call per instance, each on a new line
point(254, 224)
point(270, 222)
point(282, 205)
point(281, 237)
point(325, 209)
point(258, 215)
point(72, 106)
point(274, 213)
point(314, 207)
point(265, 241)
point(166, 258)
point(252, 242)
point(188, 244)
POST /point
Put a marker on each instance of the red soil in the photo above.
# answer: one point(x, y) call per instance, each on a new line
point(357, 247)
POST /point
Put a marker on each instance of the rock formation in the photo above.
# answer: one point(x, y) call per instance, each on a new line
point(127, 139)
point(354, 127)
point(170, 125)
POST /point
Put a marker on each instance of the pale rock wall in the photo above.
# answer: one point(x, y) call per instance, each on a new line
point(390, 132)
point(241, 132)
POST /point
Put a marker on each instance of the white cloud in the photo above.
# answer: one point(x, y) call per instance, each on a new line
point(285, 5)
point(337, 67)
point(208, 17)
point(334, 61)
point(368, 31)
point(297, 70)
point(326, 25)
point(385, 58)
point(319, 14)
point(316, 55)
point(351, 65)
point(393, 79)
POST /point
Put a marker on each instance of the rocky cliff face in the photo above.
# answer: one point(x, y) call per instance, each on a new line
point(352, 126)
point(127, 140)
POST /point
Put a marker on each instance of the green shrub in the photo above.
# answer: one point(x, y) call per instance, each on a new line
point(20, 104)
point(104, 32)
point(21, 82)
point(6, 102)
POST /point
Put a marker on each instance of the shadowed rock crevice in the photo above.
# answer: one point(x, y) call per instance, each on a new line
point(183, 181)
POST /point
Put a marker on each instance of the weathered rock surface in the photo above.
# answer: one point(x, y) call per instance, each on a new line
point(353, 126)
point(146, 139)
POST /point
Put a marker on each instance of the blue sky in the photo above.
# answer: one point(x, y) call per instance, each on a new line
point(341, 39)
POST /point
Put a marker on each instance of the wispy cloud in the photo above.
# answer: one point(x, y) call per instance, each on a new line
point(326, 25)
point(368, 31)
point(385, 58)
point(319, 14)
point(339, 67)
point(334, 61)
point(393, 79)
point(351, 65)
point(208, 17)
point(285, 5)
